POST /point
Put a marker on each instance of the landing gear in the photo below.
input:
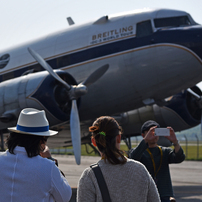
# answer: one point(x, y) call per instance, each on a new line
point(94, 149)
point(127, 141)
point(2, 141)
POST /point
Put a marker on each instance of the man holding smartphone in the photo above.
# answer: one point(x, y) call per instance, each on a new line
point(157, 158)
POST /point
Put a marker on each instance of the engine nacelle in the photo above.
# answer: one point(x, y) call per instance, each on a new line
point(38, 90)
point(180, 112)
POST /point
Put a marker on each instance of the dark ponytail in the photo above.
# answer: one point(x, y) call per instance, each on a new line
point(104, 130)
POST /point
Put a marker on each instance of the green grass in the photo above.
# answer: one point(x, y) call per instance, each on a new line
point(190, 151)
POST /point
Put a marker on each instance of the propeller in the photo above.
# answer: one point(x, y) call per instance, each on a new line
point(47, 67)
point(74, 91)
point(199, 101)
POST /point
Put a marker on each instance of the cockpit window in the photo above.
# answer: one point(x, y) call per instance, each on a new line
point(144, 29)
point(172, 22)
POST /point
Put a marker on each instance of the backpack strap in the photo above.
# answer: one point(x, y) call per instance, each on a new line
point(101, 182)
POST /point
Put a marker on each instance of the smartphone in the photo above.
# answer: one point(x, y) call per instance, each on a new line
point(162, 132)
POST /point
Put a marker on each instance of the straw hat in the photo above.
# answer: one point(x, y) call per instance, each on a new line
point(33, 122)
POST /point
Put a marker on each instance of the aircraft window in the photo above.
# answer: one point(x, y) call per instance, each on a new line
point(4, 60)
point(144, 29)
point(172, 22)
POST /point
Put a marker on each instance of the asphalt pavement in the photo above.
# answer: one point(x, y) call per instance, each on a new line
point(186, 176)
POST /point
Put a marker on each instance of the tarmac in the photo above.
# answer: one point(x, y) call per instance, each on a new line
point(186, 176)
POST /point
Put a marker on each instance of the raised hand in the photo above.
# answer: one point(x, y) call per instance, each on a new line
point(172, 136)
point(150, 135)
point(46, 152)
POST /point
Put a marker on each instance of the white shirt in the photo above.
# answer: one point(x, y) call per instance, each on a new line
point(24, 179)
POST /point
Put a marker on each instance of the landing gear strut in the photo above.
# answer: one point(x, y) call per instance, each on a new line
point(94, 149)
point(127, 141)
point(2, 141)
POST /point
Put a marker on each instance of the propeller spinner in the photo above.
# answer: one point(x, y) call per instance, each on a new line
point(74, 93)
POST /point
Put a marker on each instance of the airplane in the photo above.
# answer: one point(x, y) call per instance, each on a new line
point(134, 66)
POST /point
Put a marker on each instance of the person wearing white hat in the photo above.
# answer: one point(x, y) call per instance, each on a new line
point(25, 175)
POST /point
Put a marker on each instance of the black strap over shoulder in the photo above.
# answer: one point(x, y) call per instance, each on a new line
point(101, 182)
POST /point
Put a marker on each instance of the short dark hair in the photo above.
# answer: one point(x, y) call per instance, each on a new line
point(31, 143)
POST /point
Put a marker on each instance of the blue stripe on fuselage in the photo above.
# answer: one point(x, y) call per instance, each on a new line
point(189, 37)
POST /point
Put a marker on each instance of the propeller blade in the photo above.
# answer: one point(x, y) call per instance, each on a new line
point(47, 67)
point(95, 75)
point(75, 132)
point(198, 97)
